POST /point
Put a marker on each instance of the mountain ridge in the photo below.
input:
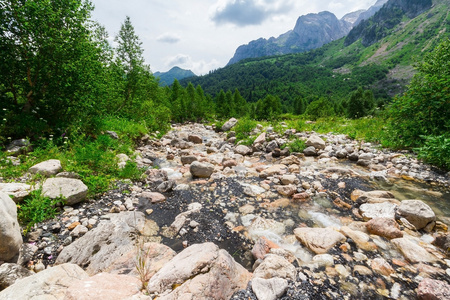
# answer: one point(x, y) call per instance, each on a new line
point(167, 78)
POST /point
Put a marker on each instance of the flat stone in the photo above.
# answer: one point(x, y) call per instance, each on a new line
point(416, 212)
point(72, 190)
point(46, 168)
point(18, 191)
point(413, 252)
point(153, 197)
point(378, 210)
point(385, 227)
point(319, 240)
point(269, 289)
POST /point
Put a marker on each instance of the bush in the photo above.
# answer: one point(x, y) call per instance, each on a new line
point(297, 145)
point(436, 150)
point(321, 108)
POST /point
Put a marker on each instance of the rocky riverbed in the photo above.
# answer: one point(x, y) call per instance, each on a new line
point(342, 220)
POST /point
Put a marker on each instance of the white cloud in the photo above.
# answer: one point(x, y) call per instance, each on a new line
point(199, 67)
point(170, 38)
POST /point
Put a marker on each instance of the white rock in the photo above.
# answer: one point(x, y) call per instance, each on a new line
point(46, 168)
point(72, 190)
point(10, 237)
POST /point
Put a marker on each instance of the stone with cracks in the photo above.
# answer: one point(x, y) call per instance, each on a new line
point(275, 266)
point(378, 210)
point(384, 227)
point(72, 190)
point(269, 289)
point(319, 240)
point(104, 245)
point(47, 168)
point(201, 170)
point(201, 271)
point(18, 191)
point(416, 212)
point(316, 142)
point(431, 289)
point(413, 252)
point(48, 284)
point(10, 237)
point(10, 273)
point(229, 124)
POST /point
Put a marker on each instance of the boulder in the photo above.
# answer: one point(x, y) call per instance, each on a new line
point(10, 273)
point(385, 227)
point(10, 237)
point(412, 251)
point(18, 191)
point(48, 284)
point(269, 289)
point(72, 190)
point(275, 266)
point(18, 147)
point(104, 245)
point(46, 168)
point(319, 240)
point(416, 212)
point(316, 142)
point(431, 289)
point(104, 286)
point(260, 139)
point(201, 170)
point(378, 210)
point(243, 150)
point(229, 124)
point(201, 271)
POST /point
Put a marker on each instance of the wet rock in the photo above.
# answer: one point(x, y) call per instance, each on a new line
point(356, 194)
point(18, 147)
point(201, 170)
point(287, 190)
point(196, 139)
point(310, 151)
point(361, 239)
point(262, 247)
point(413, 252)
point(18, 191)
point(416, 212)
point(430, 289)
point(243, 150)
point(269, 289)
point(102, 246)
point(104, 286)
point(72, 190)
point(10, 237)
point(10, 273)
point(382, 267)
point(188, 159)
point(274, 266)
point(378, 210)
point(201, 271)
point(46, 168)
point(229, 124)
point(263, 227)
point(319, 240)
point(316, 142)
point(385, 227)
point(51, 283)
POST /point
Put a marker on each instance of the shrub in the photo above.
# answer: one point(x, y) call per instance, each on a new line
point(436, 150)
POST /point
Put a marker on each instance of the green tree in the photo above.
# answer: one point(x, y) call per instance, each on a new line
point(268, 108)
point(320, 108)
point(360, 103)
point(239, 104)
point(299, 105)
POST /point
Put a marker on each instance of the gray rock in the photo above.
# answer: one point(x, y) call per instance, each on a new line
point(416, 212)
point(47, 168)
point(166, 186)
point(72, 190)
point(274, 266)
point(353, 156)
point(112, 134)
point(101, 247)
point(229, 124)
point(10, 273)
point(271, 146)
point(18, 147)
point(310, 151)
point(188, 159)
point(201, 170)
point(243, 150)
point(72, 175)
point(18, 191)
point(378, 210)
point(48, 284)
point(269, 289)
point(10, 237)
point(316, 142)
point(201, 271)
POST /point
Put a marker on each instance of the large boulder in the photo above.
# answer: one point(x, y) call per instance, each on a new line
point(49, 284)
point(412, 251)
point(319, 240)
point(201, 169)
point(384, 227)
point(416, 212)
point(46, 168)
point(269, 289)
point(10, 273)
point(201, 271)
point(316, 142)
point(17, 191)
point(72, 190)
point(229, 124)
point(103, 246)
point(10, 237)
point(430, 289)
point(275, 266)
point(378, 210)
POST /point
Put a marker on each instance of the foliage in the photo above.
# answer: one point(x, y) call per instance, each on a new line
point(268, 108)
point(37, 208)
point(297, 145)
point(320, 108)
point(244, 129)
point(436, 151)
point(360, 104)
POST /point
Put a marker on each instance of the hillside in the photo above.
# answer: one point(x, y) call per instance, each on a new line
point(167, 78)
point(338, 68)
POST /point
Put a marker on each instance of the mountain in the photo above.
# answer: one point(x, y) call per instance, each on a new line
point(310, 32)
point(167, 78)
point(338, 68)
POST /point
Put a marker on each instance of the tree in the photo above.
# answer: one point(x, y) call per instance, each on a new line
point(360, 103)
point(268, 108)
point(320, 108)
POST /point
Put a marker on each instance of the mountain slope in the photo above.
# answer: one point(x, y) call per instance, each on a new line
point(167, 78)
point(336, 69)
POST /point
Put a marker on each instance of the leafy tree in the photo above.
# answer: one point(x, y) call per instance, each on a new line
point(299, 105)
point(424, 110)
point(268, 108)
point(320, 108)
point(239, 103)
point(360, 103)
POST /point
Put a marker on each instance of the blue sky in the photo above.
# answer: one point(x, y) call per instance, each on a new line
point(203, 35)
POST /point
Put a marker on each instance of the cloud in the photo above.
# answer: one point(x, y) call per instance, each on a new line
point(184, 61)
point(170, 38)
point(248, 12)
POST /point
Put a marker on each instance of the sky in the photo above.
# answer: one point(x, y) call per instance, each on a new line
point(203, 35)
